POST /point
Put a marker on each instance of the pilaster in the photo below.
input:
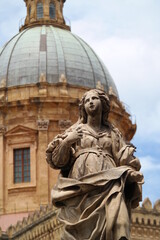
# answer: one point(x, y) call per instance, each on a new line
point(2, 151)
point(43, 169)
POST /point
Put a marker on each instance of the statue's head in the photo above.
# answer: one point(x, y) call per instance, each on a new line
point(105, 103)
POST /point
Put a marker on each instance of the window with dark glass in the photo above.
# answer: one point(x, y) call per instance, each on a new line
point(22, 165)
point(39, 10)
point(52, 10)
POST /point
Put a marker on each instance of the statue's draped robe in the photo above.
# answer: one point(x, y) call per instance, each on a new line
point(93, 183)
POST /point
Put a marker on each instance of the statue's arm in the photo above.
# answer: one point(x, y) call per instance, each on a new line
point(60, 150)
point(58, 153)
point(124, 155)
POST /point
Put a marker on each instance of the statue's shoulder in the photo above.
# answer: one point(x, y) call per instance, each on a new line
point(73, 127)
point(115, 132)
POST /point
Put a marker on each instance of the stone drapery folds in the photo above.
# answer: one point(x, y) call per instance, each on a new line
point(99, 181)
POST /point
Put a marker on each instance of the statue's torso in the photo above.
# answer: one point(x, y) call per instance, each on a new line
point(93, 153)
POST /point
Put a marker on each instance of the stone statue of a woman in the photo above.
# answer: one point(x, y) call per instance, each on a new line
point(99, 181)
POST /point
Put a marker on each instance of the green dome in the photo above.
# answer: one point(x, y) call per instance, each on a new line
point(52, 51)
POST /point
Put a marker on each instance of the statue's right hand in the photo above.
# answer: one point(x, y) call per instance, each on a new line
point(74, 136)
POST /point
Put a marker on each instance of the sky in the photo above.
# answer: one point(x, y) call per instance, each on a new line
point(126, 36)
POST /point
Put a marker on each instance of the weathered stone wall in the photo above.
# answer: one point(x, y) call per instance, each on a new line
point(146, 221)
point(30, 116)
point(43, 224)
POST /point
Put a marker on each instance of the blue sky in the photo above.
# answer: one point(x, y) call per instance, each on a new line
point(126, 36)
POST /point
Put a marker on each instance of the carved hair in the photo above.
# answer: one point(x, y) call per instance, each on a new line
point(105, 106)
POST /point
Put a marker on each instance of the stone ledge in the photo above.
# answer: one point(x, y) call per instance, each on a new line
point(20, 189)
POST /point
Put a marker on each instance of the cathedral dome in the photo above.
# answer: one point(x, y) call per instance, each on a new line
point(50, 52)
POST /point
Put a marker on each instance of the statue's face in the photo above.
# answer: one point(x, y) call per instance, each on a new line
point(92, 104)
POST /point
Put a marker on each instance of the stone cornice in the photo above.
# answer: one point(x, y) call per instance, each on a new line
point(62, 92)
point(47, 23)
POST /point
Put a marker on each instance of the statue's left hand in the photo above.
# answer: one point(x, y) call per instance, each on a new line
point(136, 176)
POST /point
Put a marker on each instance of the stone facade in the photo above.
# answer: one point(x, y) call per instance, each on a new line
point(30, 117)
point(43, 224)
point(146, 221)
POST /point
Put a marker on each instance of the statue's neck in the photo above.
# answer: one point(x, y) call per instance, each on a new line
point(94, 122)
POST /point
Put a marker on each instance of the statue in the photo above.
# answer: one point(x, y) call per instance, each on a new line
point(99, 181)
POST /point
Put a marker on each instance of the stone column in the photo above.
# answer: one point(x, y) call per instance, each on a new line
point(42, 166)
point(2, 151)
point(46, 9)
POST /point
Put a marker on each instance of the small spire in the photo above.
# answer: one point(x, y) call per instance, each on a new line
point(99, 85)
point(45, 12)
point(42, 78)
point(63, 79)
point(3, 83)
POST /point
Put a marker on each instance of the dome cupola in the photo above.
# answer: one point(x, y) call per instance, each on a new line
point(45, 12)
point(46, 48)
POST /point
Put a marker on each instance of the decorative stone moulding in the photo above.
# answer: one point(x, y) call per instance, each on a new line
point(157, 206)
point(147, 205)
point(43, 125)
point(111, 92)
point(64, 124)
point(63, 79)
point(99, 85)
point(2, 129)
point(36, 222)
point(42, 78)
point(3, 83)
point(31, 226)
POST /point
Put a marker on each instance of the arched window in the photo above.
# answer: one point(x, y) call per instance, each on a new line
point(155, 222)
point(52, 12)
point(39, 10)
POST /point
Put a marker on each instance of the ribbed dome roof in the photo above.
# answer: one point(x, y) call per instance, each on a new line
point(51, 51)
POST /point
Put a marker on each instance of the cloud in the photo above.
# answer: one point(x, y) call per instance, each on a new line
point(149, 163)
point(133, 62)
point(11, 12)
point(150, 169)
point(125, 18)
